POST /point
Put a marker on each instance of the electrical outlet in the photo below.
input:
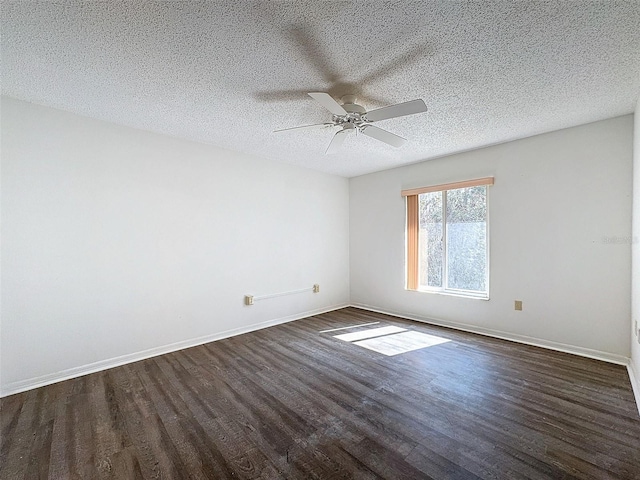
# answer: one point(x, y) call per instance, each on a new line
point(518, 305)
point(316, 288)
point(248, 299)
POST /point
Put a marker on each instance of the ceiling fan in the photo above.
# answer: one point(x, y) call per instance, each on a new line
point(353, 117)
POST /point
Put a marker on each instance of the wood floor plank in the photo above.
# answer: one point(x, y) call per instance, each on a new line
point(293, 401)
point(15, 460)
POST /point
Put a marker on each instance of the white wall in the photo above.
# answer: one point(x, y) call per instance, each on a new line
point(119, 243)
point(634, 365)
point(560, 222)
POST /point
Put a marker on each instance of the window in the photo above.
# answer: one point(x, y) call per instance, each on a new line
point(447, 238)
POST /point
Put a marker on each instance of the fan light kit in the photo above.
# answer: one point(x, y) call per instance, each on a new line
point(351, 116)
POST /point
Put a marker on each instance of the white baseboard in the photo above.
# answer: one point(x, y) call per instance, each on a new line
point(31, 383)
point(536, 342)
point(635, 383)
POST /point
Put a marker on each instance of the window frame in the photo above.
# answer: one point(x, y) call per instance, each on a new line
point(412, 239)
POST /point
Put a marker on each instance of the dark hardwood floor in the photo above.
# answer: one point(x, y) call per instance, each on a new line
point(291, 402)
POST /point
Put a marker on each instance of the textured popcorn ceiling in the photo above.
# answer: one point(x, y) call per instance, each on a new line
point(228, 73)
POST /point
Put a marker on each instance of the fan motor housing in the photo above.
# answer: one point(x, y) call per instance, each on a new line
point(354, 111)
point(353, 107)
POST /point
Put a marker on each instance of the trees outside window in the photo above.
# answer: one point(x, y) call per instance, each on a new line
point(451, 251)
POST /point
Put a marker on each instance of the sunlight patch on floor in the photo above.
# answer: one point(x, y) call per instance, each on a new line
point(391, 340)
point(369, 333)
point(401, 342)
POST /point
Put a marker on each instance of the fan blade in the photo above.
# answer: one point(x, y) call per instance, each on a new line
point(306, 126)
point(328, 102)
point(399, 110)
point(336, 142)
point(382, 135)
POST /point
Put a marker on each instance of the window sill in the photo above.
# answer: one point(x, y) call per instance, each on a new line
point(451, 294)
